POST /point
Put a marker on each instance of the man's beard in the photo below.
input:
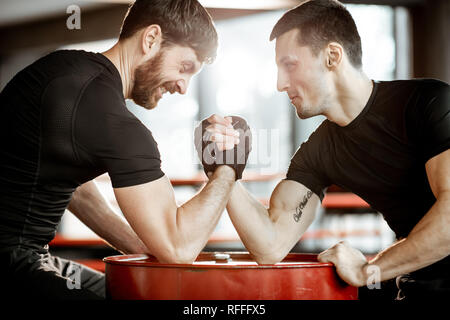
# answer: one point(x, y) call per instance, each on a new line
point(147, 80)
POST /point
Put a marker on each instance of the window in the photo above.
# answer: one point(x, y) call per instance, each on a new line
point(376, 28)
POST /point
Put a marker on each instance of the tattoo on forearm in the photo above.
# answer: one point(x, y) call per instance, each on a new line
point(301, 206)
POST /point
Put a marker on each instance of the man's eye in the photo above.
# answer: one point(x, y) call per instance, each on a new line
point(186, 68)
point(289, 65)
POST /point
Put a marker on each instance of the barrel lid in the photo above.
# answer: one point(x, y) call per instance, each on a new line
point(220, 260)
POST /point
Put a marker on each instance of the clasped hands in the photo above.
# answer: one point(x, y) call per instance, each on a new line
point(223, 141)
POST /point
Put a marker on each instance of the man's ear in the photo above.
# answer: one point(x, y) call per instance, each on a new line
point(151, 39)
point(333, 55)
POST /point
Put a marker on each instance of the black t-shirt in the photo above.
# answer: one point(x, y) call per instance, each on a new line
point(63, 122)
point(381, 154)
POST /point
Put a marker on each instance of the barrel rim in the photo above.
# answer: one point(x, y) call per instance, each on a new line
point(135, 260)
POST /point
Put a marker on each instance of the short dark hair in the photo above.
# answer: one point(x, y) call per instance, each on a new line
point(321, 22)
point(182, 22)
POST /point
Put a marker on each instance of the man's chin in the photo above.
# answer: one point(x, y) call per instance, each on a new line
point(303, 115)
point(148, 104)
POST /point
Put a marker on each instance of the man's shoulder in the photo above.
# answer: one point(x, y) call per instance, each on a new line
point(422, 86)
point(419, 93)
point(322, 132)
point(94, 87)
point(430, 83)
point(408, 98)
point(317, 140)
point(74, 66)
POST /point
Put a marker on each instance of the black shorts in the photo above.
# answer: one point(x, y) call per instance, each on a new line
point(31, 274)
point(436, 288)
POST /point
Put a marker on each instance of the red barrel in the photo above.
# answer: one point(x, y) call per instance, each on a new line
point(225, 276)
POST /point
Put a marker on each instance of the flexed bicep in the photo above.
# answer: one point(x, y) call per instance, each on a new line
point(150, 209)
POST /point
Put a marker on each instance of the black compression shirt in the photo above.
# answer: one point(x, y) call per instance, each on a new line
point(63, 122)
point(381, 154)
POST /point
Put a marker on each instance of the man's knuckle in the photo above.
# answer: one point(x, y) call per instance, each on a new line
point(340, 245)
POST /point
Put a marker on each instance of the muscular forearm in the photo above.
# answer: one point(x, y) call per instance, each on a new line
point(427, 243)
point(89, 205)
point(270, 233)
point(197, 218)
point(252, 222)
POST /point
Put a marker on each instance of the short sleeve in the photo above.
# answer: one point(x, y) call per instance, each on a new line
point(305, 165)
point(114, 138)
point(435, 123)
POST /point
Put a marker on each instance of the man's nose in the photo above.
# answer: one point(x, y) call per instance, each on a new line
point(282, 82)
point(182, 85)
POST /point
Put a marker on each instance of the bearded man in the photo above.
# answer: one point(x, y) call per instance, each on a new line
point(64, 121)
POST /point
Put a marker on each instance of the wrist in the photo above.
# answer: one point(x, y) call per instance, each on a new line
point(225, 172)
point(363, 276)
point(142, 248)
